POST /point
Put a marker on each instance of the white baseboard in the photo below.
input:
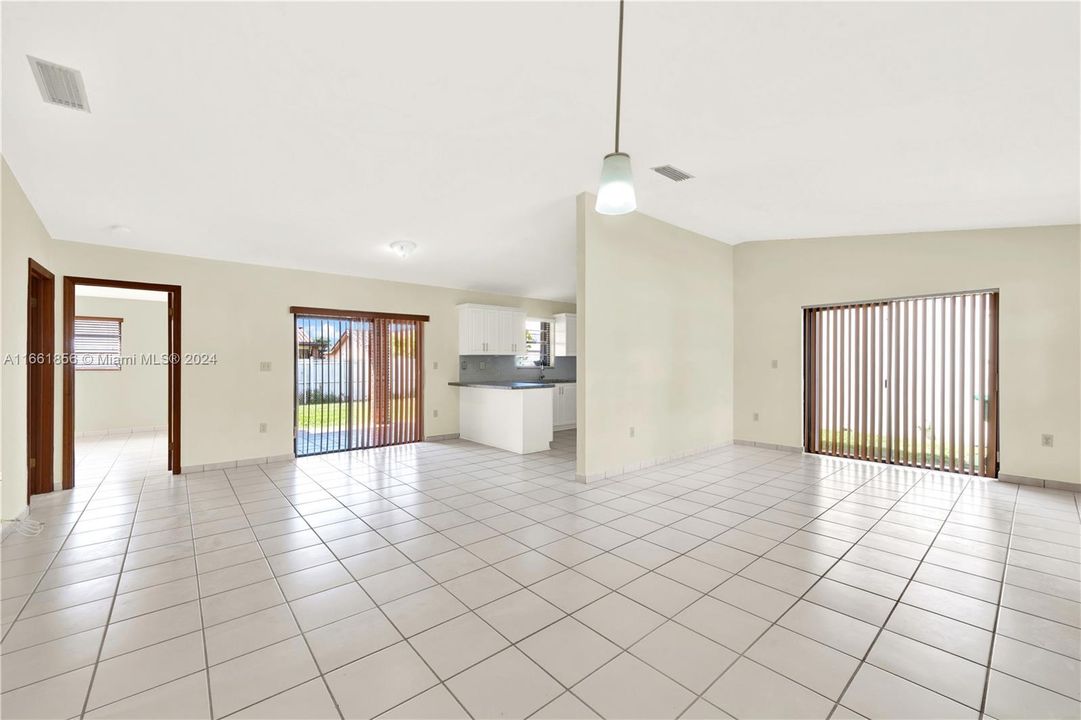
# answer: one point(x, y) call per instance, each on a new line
point(768, 446)
point(10, 524)
point(634, 467)
point(233, 464)
point(1039, 482)
point(121, 431)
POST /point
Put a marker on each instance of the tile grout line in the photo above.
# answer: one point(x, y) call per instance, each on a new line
point(896, 603)
point(286, 602)
point(199, 600)
point(56, 554)
point(998, 608)
point(472, 611)
point(802, 596)
point(112, 602)
point(625, 491)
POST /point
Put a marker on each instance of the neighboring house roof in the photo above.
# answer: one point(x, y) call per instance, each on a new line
point(340, 343)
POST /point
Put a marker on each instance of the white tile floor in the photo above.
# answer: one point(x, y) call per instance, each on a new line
point(447, 580)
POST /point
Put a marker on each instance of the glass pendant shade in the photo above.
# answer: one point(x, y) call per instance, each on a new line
point(616, 193)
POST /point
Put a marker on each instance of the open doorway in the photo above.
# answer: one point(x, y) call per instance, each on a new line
point(121, 378)
point(40, 347)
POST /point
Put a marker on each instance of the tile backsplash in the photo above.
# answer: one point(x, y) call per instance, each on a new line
point(502, 367)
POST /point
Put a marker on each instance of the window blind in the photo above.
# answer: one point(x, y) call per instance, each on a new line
point(912, 381)
point(97, 343)
point(359, 382)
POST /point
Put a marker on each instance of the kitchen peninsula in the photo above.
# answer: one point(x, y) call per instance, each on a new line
point(511, 415)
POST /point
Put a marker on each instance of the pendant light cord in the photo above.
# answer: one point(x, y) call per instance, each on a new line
point(619, 72)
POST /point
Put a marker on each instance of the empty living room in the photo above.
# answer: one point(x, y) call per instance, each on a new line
point(551, 359)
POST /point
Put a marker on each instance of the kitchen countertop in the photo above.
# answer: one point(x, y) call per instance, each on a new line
point(510, 384)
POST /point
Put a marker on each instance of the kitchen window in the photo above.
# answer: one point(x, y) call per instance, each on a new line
point(97, 343)
point(538, 344)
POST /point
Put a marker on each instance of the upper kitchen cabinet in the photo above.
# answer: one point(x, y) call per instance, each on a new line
point(490, 330)
point(565, 335)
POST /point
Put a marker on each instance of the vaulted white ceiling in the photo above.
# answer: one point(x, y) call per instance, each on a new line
point(313, 135)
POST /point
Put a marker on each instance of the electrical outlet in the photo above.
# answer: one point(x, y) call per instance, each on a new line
point(483, 364)
point(632, 430)
point(435, 413)
point(264, 366)
point(465, 365)
point(262, 427)
point(756, 417)
point(1047, 440)
point(435, 365)
point(773, 364)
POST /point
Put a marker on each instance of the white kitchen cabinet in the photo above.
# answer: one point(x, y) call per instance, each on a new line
point(490, 330)
point(565, 335)
point(565, 406)
point(511, 337)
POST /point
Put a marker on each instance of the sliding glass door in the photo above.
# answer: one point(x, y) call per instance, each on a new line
point(912, 381)
point(359, 381)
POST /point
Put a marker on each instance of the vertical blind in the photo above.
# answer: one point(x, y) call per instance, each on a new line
point(911, 381)
point(358, 382)
point(97, 343)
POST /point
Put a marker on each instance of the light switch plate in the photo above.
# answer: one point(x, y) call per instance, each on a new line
point(264, 366)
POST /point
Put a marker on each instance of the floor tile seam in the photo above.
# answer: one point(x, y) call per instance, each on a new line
point(998, 611)
point(1042, 555)
point(698, 695)
point(802, 597)
point(893, 608)
point(199, 604)
point(668, 525)
point(292, 613)
point(108, 617)
point(118, 573)
point(67, 536)
point(136, 694)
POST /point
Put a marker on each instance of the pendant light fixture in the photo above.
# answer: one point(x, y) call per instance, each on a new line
point(616, 193)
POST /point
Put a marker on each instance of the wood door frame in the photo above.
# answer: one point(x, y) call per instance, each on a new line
point(175, 363)
point(41, 389)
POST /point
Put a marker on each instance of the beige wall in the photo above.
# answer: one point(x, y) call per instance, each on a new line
point(655, 314)
point(136, 396)
point(238, 312)
point(22, 236)
point(1036, 270)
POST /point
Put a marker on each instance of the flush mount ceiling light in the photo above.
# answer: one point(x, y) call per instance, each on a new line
point(404, 248)
point(616, 193)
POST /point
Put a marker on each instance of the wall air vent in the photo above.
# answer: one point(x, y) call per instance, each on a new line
point(672, 173)
point(60, 85)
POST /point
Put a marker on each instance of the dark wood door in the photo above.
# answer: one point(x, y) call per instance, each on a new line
point(40, 346)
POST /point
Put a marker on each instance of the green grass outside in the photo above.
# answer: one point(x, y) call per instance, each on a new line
point(321, 416)
point(935, 453)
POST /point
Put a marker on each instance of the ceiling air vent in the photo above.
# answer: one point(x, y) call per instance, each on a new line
point(60, 85)
point(672, 173)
